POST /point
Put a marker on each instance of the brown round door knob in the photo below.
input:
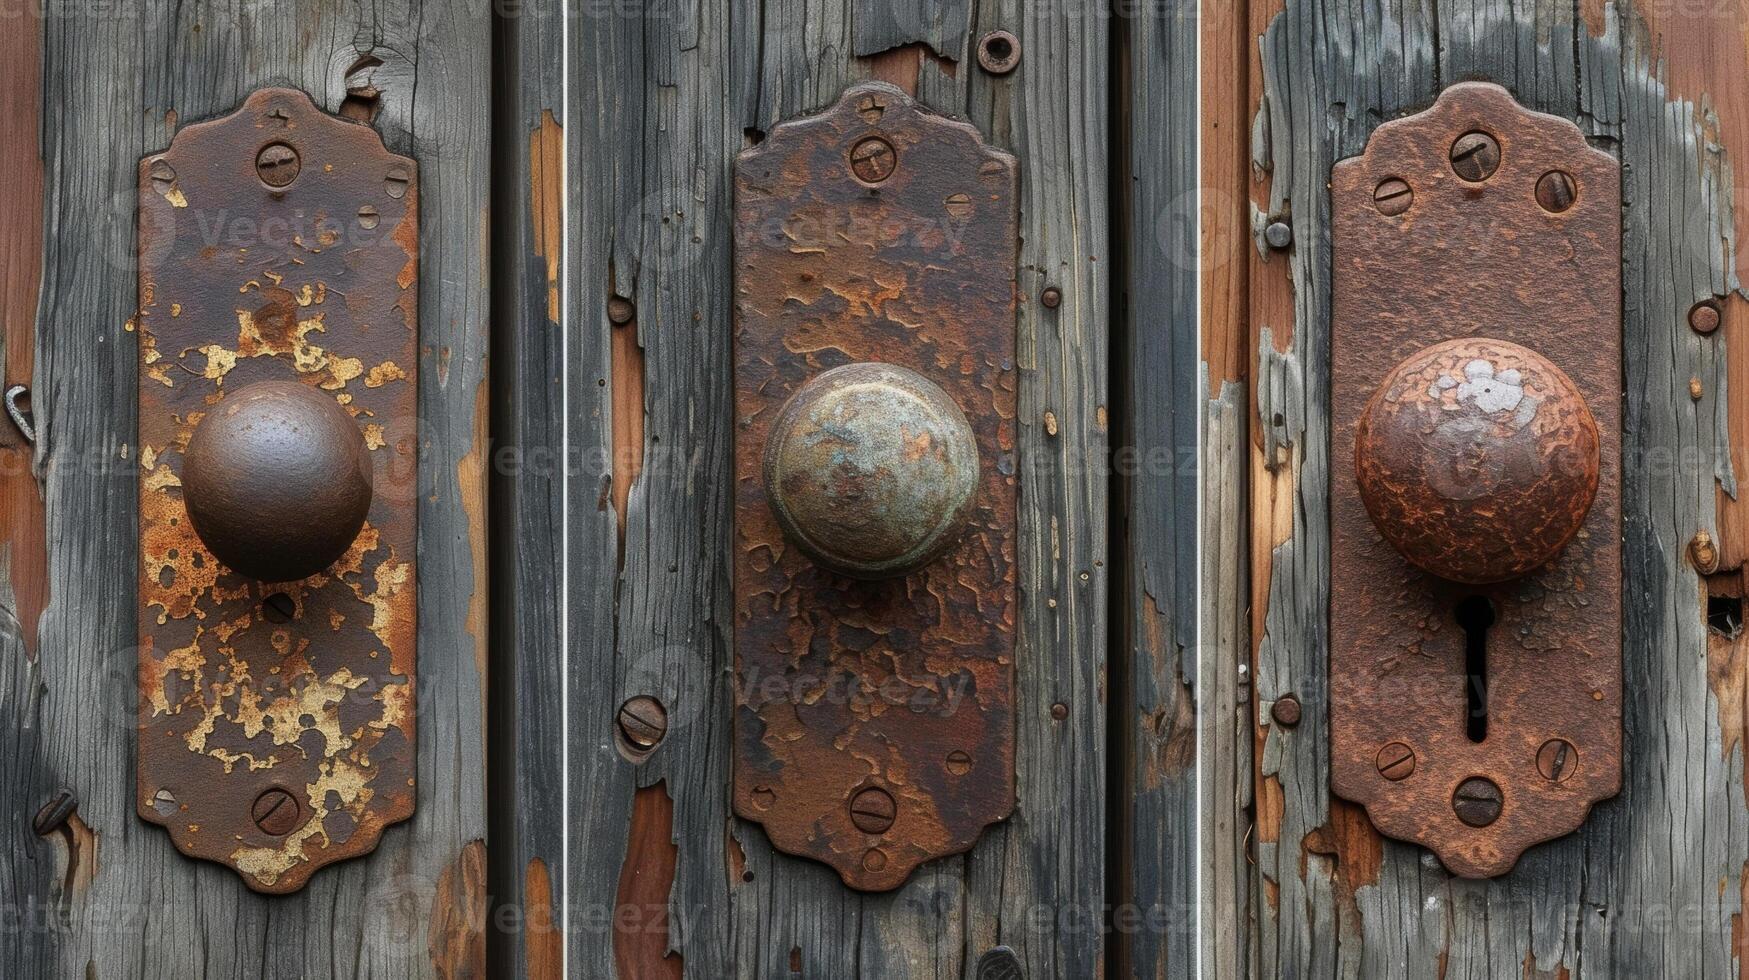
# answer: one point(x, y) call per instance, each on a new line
point(871, 470)
point(277, 480)
point(1477, 459)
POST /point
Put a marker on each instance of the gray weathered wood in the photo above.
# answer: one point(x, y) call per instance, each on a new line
point(1154, 668)
point(117, 81)
point(1652, 884)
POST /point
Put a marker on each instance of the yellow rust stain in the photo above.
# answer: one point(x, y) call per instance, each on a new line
point(343, 779)
point(458, 916)
point(546, 145)
point(384, 373)
point(373, 436)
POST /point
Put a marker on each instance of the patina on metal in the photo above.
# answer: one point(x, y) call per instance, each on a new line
point(871, 470)
point(875, 411)
point(1468, 250)
point(278, 342)
point(277, 480)
point(1477, 459)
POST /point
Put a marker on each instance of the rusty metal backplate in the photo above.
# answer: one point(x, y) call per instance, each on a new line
point(1495, 258)
point(879, 232)
point(276, 722)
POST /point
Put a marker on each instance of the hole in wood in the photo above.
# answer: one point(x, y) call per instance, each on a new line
point(1724, 615)
point(1476, 615)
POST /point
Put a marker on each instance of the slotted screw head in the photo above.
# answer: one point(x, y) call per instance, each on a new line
point(277, 164)
point(643, 722)
point(1393, 196)
point(1557, 760)
point(1475, 156)
point(1556, 191)
point(872, 810)
point(1396, 760)
point(275, 812)
point(872, 160)
point(1477, 801)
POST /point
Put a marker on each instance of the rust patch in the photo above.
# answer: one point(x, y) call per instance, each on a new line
point(646, 879)
point(458, 920)
point(627, 365)
point(545, 942)
point(903, 685)
point(242, 716)
point(546, 171)
point(1399, 660)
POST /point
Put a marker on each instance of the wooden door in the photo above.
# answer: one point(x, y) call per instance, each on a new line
point(1302, 884)
point(574, 502)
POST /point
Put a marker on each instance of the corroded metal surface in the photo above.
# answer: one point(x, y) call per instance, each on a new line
point(276, 721)
point(874, 727)
point(871, 470)
point(1477, 459)
point(277, 480)
point(1424, 254)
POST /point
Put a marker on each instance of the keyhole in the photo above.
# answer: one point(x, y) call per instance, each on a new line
point(1476, 615)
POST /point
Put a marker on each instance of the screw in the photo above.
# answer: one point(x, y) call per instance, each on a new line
point(872, 810)
point(1393, 196)
point(874, 860)
point(1059, 711)
point(999, 52)
point(1704, 553)
point(1556, 191)
point(277, 165)
point(1477, 801)
point(278, 608)
point(1557, 760)
point(1278, 234)
point(275, 812)
point(369, 217)
point(872, 160)
point(1052, 297)
point(764, 797)
point(620, 310)
point(163, 175)
point(1475, 156)
point(643, 722)
point(1703, 317)
point(1396, 761)
point(959, 763)
point(999, 963)
point(395, 183)
point(55, 813)
point(1286, 711)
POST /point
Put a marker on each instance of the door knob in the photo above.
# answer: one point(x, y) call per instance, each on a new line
point(277, 480)
point(871, 470)
point(1477, 459)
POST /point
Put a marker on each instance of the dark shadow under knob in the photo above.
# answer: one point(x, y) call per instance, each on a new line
point(277, 481)
point(871, 470)
point(1477, 459)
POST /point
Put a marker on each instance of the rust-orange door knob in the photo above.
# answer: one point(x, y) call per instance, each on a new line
point(1477, 459)
point(277, 480)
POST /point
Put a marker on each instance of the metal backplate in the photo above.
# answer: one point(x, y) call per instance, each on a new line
point(1475, 258)
point(276, 722)
point(903, 687)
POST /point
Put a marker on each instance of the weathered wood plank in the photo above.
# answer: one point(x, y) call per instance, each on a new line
point(1651, 884)
point(1155, 666)
point(123, 903)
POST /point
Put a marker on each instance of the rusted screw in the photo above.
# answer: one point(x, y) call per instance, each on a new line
point(1704, 553)
point(958, 762)
point(872, 810)
point(1477, 801)
point(1286, 711)
point(278, 608)
point(1279, 235)
point(163, 175)
point(55, 813)
point(275, 812)
point(1703, 317)
point(1052, 297)
point(395, 183)
point(277, 164)
point(1557, 760)
point(643, 722)
point(620, 310)
point(1393, 196)
point(369, 217)
point(999, 52)
point(1396, 761)
point(1059, 711)
point(1556, 191)
point(763, 797)
point(1475, 156)
point(872, 159)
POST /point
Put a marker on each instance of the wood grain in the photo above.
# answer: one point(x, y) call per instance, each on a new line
point(121, 902)
point(1652, 884)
